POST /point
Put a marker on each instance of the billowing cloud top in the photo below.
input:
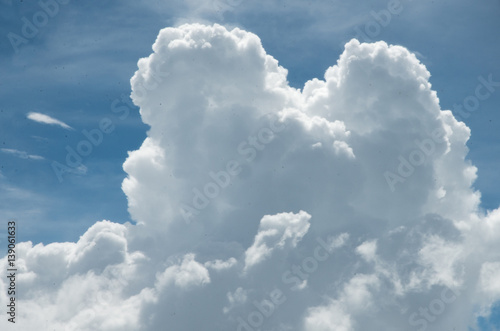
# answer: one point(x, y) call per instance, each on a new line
point(346, 205)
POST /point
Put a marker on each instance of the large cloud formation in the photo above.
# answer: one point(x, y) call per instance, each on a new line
point(346, 205)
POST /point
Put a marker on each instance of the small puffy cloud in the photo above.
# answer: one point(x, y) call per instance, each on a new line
point(104, 244)
point(46, 119)
point(221, 265)
point(21, 154)
point(279, 231)
point(238, 297)
point(327, 318)
point(184, 275)
point(490, 278)
point(355, 297)
point(443, 260)
point(368, 250)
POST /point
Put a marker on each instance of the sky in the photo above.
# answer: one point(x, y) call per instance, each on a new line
point(250, 164)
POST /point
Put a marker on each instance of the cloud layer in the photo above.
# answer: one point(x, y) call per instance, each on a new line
point(346, 205)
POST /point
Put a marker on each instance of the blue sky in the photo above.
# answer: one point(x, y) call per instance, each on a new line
point(80, 63)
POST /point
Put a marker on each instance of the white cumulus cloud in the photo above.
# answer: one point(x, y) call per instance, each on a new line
point(243, 181)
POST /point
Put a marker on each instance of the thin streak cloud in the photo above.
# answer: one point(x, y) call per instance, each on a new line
point(22, 154)
point(46, 119)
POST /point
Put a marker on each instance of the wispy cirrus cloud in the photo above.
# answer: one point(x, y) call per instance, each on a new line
point(46, 119)
point(22, 154)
